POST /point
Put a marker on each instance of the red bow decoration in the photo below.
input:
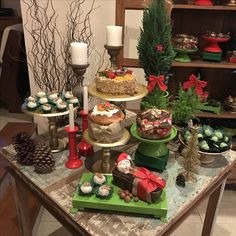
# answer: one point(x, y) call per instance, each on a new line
point(148, 181)
point(195, 82)
point(153, 80)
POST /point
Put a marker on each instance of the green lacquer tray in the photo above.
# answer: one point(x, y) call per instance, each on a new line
point(157, 209)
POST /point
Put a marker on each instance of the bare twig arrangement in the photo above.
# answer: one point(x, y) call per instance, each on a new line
point(51, 67)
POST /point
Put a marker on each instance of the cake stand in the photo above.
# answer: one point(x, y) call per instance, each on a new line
point(214, 47)
point(152, 154)
point(56, 144)
point(117, 99)
point(103, 160)
point(182, 54)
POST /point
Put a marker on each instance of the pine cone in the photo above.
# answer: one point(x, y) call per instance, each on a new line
point(44, 161)
point(24, 147)
point(180, 180)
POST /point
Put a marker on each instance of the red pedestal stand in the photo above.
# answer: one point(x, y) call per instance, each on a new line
point(203, 2)
point(213, 44)
point(85, 149)
point(73, 159)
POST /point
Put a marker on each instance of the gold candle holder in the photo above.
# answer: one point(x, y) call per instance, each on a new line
point(113, 51)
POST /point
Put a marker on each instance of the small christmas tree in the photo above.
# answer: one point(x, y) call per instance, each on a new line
point(155, 51)
point(191, 155)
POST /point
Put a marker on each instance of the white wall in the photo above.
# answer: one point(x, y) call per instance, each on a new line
point(102, 16)
point(14, 4)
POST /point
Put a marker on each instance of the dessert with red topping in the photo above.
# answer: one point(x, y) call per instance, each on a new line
point(154, 123)
point(116, 82)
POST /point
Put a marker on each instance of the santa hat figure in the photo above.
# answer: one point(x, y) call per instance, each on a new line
point(123, 163)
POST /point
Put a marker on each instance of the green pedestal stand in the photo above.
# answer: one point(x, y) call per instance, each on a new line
point(152, 154)
point(182, 54)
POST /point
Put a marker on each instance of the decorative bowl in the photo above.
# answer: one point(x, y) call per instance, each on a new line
point(206, 157)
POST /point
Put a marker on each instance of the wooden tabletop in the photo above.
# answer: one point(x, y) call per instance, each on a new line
point(55, 192)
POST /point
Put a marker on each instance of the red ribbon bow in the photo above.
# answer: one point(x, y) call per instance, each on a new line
point(195, 82)
point(148, 181)
point(153, 80)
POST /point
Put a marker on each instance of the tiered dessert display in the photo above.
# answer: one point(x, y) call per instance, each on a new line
point(50, 106)
point(105, 121)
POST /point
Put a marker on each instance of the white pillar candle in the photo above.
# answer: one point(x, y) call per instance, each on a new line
point(71, 117)
point(114, 35)
point(85, 99)
point(79, 53)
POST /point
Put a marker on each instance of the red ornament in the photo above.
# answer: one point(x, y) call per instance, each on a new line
point(159, 80)
point(159, 48)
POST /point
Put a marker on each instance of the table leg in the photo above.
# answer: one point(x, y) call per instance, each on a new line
point(21, 201)
point(212, 208)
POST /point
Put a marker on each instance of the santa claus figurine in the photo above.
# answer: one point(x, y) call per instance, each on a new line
point(123, 163)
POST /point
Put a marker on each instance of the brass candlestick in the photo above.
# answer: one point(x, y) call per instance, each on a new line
point(113, 51)
point(78, 89)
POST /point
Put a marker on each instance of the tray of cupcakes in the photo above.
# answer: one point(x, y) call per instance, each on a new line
point(129, 189)
point(46, 103)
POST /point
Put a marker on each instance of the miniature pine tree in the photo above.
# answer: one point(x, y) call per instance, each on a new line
point(190, 153)
point(155, 50)
point(185, 106)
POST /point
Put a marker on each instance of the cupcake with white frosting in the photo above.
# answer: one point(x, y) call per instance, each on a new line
point(74, 101)
point(86, 188)
point(46, 108)
point(68, 95)
point(32, 105)
point(40, 94)
point(61, 105)
point(43, 100)
point(99, 179)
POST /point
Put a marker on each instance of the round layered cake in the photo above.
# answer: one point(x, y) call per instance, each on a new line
point(154, 123)
point(105, 123)
point(116, 82)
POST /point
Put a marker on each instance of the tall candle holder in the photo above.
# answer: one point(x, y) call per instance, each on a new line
point(73, 159)
point(113, 51)
point(85, 149)
point(78, 89)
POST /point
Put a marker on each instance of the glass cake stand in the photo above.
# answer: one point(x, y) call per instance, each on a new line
point(56, 144)
point(103, 160)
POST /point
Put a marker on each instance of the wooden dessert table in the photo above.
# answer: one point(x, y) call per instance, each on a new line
point(55, 191)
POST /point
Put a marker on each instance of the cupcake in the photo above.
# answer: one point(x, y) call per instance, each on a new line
point(86, 188)
point(31, 99)
point(61, 105)
point(40, 94)
point(57, 100)
point(104, 191)
point(46, 108)
point(43, 100)
point(74, 101)
point(99, 179)
point(53, 96)
point(69, 95)
point(32, 105)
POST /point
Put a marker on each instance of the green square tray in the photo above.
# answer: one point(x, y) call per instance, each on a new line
point(157, 209)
